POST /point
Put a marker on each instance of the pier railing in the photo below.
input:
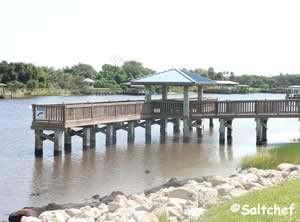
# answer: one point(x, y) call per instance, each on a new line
point(80, 114)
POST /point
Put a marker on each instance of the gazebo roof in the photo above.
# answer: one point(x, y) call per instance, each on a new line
point(173, 77)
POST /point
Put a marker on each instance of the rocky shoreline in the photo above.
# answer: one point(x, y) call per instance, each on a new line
point(179, 200)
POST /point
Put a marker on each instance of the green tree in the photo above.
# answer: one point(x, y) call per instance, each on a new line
point(32, 84)
point(135, 69)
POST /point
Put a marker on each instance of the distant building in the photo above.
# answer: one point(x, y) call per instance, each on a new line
point(89, 82)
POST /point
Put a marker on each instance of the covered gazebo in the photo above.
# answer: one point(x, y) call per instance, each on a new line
point(175, 77)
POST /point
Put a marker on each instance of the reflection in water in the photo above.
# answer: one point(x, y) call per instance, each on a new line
point(74, 176)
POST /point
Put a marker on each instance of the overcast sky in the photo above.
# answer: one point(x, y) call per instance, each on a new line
point(247, 37)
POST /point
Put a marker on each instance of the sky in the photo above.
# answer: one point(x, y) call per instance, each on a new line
point(244, 36)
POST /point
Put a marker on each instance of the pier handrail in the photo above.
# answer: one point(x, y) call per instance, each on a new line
point(95, 113)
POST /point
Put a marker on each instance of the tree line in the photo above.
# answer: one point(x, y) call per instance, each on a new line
point(28, 76)
point(20, 76)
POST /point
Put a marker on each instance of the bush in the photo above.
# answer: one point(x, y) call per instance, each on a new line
point(15, 85)
point(32, 84)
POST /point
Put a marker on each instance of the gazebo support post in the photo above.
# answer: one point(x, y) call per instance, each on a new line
point(186, 114)
point(199, 98)
point(148, 123)
point(164, 121)
point(200, 93)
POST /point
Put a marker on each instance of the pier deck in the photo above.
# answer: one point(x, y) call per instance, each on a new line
point(108, 117)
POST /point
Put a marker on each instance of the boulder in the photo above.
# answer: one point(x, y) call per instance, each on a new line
point(56, 215)
point(207, 197)
point(224, 189)
point(193, 213)
point(27, 212)
point(217, 180)
point(142, 216)
point(30, 219)
point(183, 193)
point(287, 167)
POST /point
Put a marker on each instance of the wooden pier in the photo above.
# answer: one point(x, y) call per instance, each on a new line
point(63, 121)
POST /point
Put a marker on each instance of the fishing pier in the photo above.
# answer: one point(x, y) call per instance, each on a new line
point(59, 122)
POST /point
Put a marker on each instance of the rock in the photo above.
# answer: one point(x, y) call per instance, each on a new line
point(287, 167)
point(207, 197)
point(175, 212)
point(237, 192)
point(294, 174)
point(72, 212)
point(103, 208)
point(193, 213)
point(30, 219)
point(113, 206)
point(27, 212)
point(56, 215)
point(173, 182)
point(217, 180)
point(92, 212)
point(111, 197)
point(250, 185)
point(74, 219)
point(142, 216)
point(224, 189)
point(264, 182)
point(183, 193)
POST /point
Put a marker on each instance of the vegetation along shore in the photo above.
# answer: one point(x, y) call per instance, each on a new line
point(30, 80)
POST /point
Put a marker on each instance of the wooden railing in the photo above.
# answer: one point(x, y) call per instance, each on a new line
point(248, 107)
point(169, 107)
point(93, 113)
point(102, 111)
point(62, 113)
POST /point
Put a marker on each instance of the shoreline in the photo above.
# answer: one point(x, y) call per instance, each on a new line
point(180, 199)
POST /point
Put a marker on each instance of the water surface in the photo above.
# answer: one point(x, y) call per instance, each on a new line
point(27, 181)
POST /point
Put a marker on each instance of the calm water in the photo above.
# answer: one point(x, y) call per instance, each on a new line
point(81, 174)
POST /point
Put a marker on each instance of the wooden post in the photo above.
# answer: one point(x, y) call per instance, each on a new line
point(258, 131)
point(176, 126)
point(148, 93)
point(109, 134)
point(68, 140)
point(164, 93)
point(211, 123)
point(131, 132)
point(222, 131)
point(186, 114)
point(163, 121)
point(86, 138)
point(264, 131)
point(199, 128)
point(148, 130)
point(229, 131)
point(58, 142)
point(163, 126)
point(114, 141)
point(38, 147)
point(200, 93)
point(93, 137)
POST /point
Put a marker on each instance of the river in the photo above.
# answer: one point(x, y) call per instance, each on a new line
point(27, 181)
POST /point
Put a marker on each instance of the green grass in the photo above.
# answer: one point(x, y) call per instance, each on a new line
point(271, 158)
point(282, 195)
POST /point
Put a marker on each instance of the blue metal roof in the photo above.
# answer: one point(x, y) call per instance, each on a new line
point(173, 77)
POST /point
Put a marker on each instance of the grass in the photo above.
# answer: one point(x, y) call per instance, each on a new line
point(271, 158)
point(282, 195)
